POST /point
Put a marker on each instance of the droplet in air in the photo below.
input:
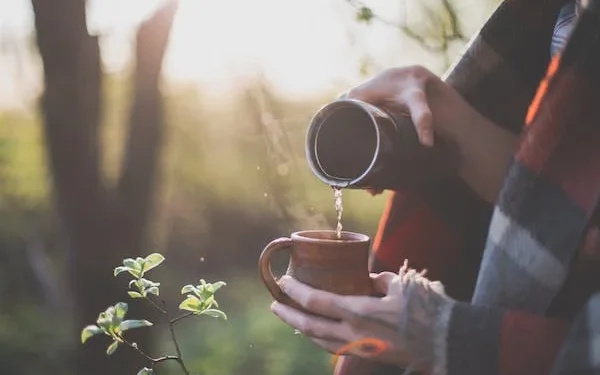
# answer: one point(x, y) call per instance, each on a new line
point(265, 195)
point(201, 259)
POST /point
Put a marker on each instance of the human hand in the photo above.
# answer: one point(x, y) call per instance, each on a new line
point(403, 91)
point(485, 149)
point(400, 328)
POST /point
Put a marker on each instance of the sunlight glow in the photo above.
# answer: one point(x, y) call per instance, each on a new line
point(302, 47)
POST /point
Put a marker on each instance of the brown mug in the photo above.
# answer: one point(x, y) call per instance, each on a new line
point(320, 260)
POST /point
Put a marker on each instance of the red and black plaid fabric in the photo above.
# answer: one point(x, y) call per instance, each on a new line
point(527, 269)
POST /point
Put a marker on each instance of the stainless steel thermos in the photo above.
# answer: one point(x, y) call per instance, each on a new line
point(353, 144)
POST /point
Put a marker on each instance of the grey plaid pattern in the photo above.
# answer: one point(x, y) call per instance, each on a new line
point(537, 225)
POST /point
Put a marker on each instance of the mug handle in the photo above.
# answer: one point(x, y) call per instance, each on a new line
point(264, 265)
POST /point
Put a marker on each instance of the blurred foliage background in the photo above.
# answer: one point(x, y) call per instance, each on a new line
point(232, 178)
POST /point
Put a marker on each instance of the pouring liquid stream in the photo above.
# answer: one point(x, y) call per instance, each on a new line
point(339, 209)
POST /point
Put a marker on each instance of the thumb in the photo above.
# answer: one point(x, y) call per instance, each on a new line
point(381, 281)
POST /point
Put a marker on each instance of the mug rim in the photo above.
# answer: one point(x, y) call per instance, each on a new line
point(303, 237)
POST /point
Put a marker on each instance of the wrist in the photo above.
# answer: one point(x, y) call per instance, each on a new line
point(424, 325)
point(440, 337)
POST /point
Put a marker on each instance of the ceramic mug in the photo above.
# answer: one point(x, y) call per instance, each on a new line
point(321, 260)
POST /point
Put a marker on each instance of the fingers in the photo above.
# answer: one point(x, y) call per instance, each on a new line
point(374, 192)
point(413, 100)
point(343, 95)
point(332, 346)
point(329, 305)
point(437, 287)
point(381, 281)
point(404, 89)
point(421, 115)
point(364, 92)
point(365, 348)
point(309, 325)
point(314, 300)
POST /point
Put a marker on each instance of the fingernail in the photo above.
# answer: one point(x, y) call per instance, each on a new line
point(283, 281)
point(375, 191)
point(274, 307)
point(427, 138)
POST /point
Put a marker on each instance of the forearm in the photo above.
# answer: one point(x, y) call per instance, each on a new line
point(485, 149)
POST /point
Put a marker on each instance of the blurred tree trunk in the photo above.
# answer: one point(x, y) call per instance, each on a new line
point(102, 224)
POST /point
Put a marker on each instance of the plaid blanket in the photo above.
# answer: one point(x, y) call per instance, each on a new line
point(526, 271)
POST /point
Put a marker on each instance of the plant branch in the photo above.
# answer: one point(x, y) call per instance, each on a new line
point(138, 350)
point(166, 358)
point(455, 32)
point(154, 361)
point(155, 305)
point(174, 338)
point(181, 317)
point(172, 321)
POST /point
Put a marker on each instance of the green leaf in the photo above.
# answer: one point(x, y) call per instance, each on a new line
point(132, 324)
point(145, 371)
point(214, 313)
point(218, 285)
point(148, 283)
point(121, 310)
point(208, 302)
point(145, 286)
point(130, 263)
point(89, 331)
point(206, 296)
point(135, 294)
point(104, 321)
point(121, 269)
point(112, 347)
point(140, 265)
point(117, 312)
point(188, 289)
point(191, 303)
point(132, 267)
point(152, 290)
point(152, 261)
point(135, 273)
point(110, 311)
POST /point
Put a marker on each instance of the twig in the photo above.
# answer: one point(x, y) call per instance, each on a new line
point(175, 342)
point(154, 361)
point(172, 322)
point(454, 34)
point(162, 310)
point(141, 352)
point(181, 317)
